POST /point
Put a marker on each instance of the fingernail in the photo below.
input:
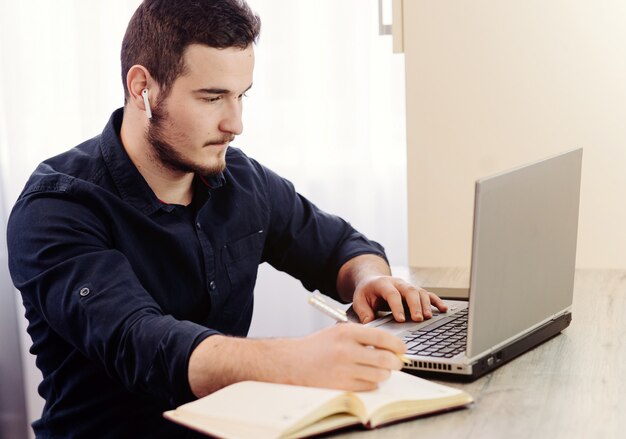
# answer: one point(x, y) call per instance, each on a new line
point(401, 317)
point(366, 319)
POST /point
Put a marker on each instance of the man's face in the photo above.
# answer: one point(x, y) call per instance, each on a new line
point(190, 130)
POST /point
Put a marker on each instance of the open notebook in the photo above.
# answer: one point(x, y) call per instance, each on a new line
point(258, 410)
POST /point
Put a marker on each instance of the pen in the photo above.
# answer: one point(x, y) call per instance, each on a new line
point(323, 306)
point(339, 316)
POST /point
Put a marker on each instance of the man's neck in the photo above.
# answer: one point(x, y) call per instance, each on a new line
point(171, 187)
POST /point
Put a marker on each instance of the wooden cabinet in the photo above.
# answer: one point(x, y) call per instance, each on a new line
point(493, 84)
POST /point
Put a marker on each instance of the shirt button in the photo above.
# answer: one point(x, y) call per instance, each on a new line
point(212, 285)
point(84, 292)
point(198, 226)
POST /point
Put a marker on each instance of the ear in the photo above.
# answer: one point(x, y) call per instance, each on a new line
point(137, 80)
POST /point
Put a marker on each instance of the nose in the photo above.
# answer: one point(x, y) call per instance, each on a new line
point(231, 119)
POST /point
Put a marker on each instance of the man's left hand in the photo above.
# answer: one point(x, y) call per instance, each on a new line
point(373, 292)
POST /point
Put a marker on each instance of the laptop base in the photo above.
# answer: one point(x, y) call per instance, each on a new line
point(431, 367)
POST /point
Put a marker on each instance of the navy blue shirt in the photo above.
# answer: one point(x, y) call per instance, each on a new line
point(119, 287)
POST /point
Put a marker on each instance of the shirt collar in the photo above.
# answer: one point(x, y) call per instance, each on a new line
point(129, 182)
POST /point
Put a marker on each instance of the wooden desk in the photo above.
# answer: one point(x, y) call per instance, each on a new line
point(573, 386)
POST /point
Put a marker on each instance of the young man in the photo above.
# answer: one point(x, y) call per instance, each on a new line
point(136, 252)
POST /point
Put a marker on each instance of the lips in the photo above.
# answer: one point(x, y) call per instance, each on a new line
point(221, 142)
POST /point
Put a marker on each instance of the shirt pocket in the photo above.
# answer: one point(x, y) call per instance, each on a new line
point(241, 259)
point(251, 244)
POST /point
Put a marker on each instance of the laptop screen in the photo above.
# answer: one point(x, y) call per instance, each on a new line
point(524, 249)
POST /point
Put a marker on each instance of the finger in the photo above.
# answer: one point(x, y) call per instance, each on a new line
point(414, 302)
point(369, 374)
point(378, 358)
point(394, 300)
point(425, 303)
point(377, 338)
point(363, 310)
point(359, 386)
point(437, 302)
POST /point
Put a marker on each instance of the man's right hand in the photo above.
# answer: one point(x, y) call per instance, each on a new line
point(348, 356)
point(345, 356)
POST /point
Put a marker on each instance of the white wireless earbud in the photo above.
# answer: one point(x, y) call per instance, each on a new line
point(146, 102)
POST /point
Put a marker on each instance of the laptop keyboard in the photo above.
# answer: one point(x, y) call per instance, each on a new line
point(443, 339)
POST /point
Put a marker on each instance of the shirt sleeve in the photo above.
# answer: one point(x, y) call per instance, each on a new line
point(308, 243)
point(62, 261)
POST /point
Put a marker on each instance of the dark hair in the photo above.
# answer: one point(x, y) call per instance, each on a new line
point(160, 31)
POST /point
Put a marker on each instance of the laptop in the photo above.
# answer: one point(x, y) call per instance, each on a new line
point(521, 277)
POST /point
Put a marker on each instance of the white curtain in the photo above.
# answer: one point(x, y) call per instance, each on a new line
point(59, 81)
point(326, 111)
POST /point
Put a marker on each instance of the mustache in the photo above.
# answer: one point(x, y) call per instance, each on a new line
point(221, 141)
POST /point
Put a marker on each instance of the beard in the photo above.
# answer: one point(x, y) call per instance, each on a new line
point(167, 155)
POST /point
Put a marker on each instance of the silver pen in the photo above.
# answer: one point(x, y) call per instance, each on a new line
point(332, 312)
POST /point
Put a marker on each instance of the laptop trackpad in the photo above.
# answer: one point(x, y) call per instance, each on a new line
point(388, 323)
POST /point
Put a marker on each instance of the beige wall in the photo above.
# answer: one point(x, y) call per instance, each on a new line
point(495, 83)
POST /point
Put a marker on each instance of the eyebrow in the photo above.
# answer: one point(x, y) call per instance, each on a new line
point(218, 91)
